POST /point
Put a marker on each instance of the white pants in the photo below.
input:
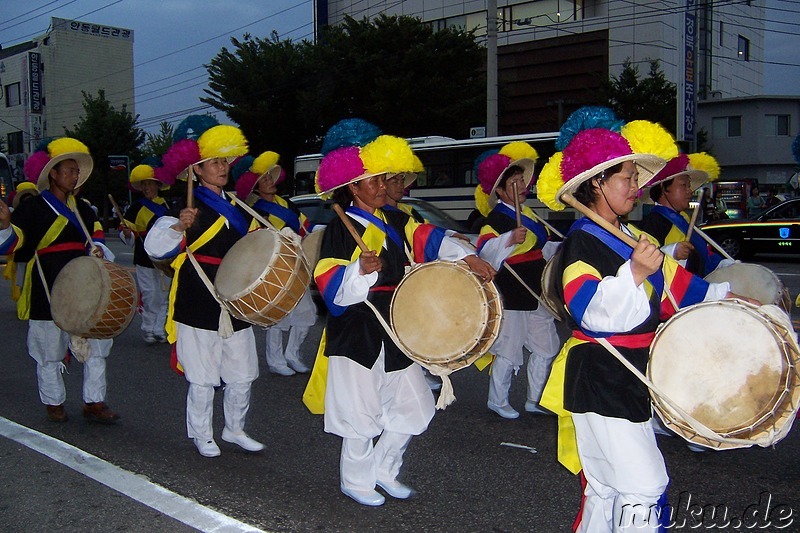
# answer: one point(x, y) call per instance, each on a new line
point(534, 330)
point(155, 295)
point(47, 345)
point(625, 474)
point(207, 359)
point(297, 323)
point(362, 403)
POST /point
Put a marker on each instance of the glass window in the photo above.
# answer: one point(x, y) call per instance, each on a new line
point(12, 95)
point(777, 125)
point(15, 143)
point(744, 49)
point(726, 127)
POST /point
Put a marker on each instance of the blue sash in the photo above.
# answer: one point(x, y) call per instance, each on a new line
point(277, 210)
point(529, 223)
point(224, 208)
point(62, 209)
point(619, 247)
point(383, 226)
point(697, 241)
point(157, 209)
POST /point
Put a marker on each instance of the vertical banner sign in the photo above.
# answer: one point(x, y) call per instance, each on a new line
point(689, 71)
point(35, 82)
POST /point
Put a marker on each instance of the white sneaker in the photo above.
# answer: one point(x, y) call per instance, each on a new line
point(251, 445)
point(284, 371)
point(535, 408)
point(298, 367)
point(365, 497)
point(149, 338)
point(505, 411)
point(207, 448)
point(395, 489)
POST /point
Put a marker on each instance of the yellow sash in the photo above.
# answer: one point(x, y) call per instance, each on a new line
point(314, 394)
point(553, 399)
point(177, 263)
point(24, 302)
point(10, 270)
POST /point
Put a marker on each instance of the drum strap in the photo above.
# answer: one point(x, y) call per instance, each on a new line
point(225, 329)
point(695, 424)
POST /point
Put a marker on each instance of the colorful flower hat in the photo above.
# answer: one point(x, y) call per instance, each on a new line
point(491, 165)
point(588, 152)
point(342, 162)
point(199, 138)
point(49, 154)
point(149, 169)
point(700, 167)
point(23, 189)
point(248, 170)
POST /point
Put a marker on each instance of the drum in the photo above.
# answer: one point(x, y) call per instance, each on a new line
point(164, 265)
point(730, 365)
point(754, 281)
point(550, 282)
point(312, 243)
point(93, 298)
point(262, 277)
point(443, 315)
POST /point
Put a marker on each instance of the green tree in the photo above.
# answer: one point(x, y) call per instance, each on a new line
point(394, 71)
point(106, 131)
point(157, 144)
point(651, 98)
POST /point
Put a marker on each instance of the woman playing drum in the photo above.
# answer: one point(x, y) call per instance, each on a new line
point(373, 389)
point(618, 292)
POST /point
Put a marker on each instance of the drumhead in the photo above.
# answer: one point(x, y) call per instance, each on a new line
point(245, 263)
point(439, 311)
point(722, 362)
point(80, 295)
point(312, 243)
point(751, 280)
point(549, 288)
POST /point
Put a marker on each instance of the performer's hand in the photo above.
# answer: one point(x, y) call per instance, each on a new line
point(369, 262)
point(518, 235)
point(481, 268)
point(745, 298)
point(126, 231)
point(97, 252)
point(645, 260)
point(186, 218)
point(683, 249)
point(5, 215)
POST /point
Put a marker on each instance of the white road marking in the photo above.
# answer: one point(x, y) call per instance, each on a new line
point(134, 486)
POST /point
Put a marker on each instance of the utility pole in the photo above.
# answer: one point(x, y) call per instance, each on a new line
point(491, 68)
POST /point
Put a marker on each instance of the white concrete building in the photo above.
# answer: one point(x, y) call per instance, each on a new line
point(43, 80)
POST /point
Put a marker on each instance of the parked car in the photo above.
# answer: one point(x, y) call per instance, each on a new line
point(319, 212)
point(776, 231)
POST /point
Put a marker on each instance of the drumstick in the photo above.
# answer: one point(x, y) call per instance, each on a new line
point(606, 225)
point(347, 224)
point(89, 240)
point(118, 211)
point(190, 187)
point(549, 226)
point(691, 223)
point(516, 203)
point(714, 244)
point(600, 221)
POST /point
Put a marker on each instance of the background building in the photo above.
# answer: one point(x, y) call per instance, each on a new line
point(43, 81)
point(552, 55)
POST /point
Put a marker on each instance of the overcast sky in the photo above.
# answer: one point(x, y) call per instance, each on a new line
point(173, 39)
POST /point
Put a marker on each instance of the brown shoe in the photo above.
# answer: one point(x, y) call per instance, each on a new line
point(57, 413)
point(99, 412)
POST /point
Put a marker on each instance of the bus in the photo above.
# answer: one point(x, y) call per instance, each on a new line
point(449, 179)
point(6, 177)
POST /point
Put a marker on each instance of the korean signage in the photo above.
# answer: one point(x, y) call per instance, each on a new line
point(98, 30)
point(689, 71)
point(35, 82)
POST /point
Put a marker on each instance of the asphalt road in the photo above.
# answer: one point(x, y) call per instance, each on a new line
point(465, 479)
